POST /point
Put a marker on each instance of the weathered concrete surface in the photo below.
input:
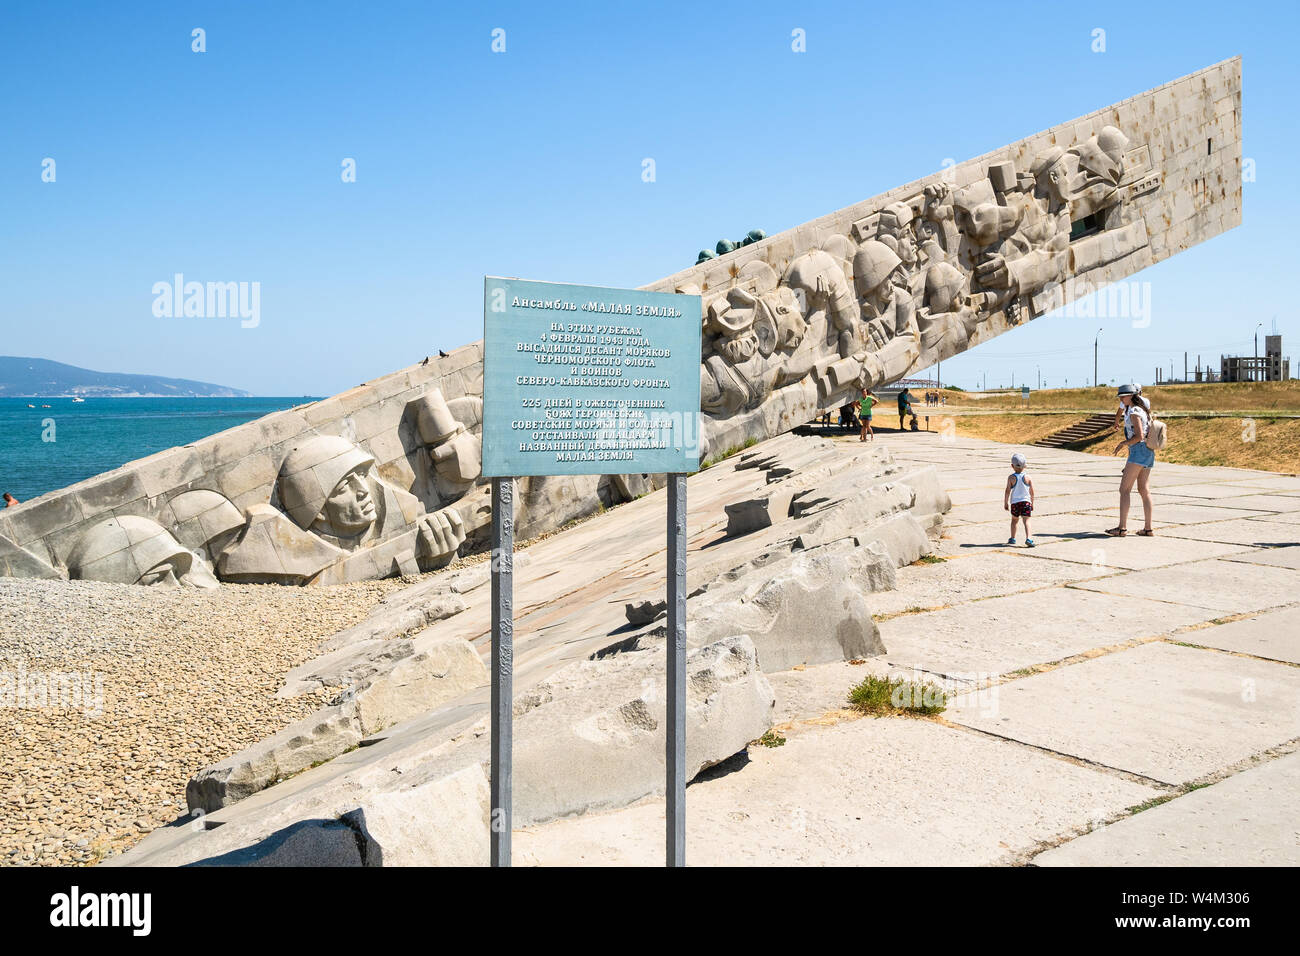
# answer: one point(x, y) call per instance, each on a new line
point(971, 577)
point(868, 792)
point(1256, 532)
point(304, 843)
point(1131, 552)
point(1230, 586)
point(1168, 513)
point(1005, 634)
point(1187, 712)
point(414, 684)
point(1251, 819)
point(1288, 557)
point(441, 823)
point(775, 604)
point(1274, 636)
point(1170, 713)
point(593, 736)
point(570, 593)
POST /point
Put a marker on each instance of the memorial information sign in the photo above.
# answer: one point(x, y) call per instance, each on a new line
point(582, 380)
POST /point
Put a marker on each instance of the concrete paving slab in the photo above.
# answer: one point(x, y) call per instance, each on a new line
point(1276, 557)
point(885, 792)
point(990, 508)
point(1253, 531)
point(1214, 583)
point(1104, 553)
point(990, 535)
point(1221, 491)
point(1170, 513)
point(1170, 713)
point(1283, 484)
point(971, 576)
point(1275, 636)
point(816, 689)
point(1005, 634)
point(1249, 819)
point(1284, 517)
point(1273, 503)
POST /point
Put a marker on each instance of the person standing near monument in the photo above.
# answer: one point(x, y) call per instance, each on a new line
point(1135, 412)
point(865, 404)
point(1018, 498)
point(905, 400)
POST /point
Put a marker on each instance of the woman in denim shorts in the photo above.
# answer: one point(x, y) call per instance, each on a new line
point(1136, 412)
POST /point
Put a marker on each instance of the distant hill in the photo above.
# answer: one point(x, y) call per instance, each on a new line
point(34, 377)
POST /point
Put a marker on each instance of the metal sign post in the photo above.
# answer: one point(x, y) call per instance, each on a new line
point(503, 650)
point(581, 380)
point(675, 752)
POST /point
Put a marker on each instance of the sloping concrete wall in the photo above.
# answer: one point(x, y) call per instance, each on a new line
point(1180, 185)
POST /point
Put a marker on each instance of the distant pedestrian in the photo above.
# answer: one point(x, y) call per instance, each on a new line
point(847, 417)
point(1135, 415)
point(905, 400)
point(1018, 498)
point(865, 404)
point(10, 500)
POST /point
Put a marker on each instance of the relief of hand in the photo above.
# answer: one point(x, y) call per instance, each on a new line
point(993, 274)
point(440, 533)
point(460, 459)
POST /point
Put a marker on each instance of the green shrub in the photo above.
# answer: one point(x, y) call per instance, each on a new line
point(880, 695)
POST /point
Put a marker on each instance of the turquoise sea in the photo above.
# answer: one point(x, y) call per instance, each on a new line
point(100, 434)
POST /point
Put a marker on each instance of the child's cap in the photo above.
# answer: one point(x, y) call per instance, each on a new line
point(1017, 460)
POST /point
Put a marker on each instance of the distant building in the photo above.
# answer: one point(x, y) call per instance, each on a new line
point(1270, 367)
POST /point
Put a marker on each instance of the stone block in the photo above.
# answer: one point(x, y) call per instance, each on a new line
point(313, 843)
point(808, 608)
point(410, 684)
point(440, 823)
point(591, 736)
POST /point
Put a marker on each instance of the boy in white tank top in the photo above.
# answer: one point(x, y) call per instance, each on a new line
point(1018, 498)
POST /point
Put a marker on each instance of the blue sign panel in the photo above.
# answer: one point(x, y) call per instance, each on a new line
point(581, 380)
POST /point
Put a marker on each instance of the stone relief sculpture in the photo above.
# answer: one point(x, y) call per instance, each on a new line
point(386, 479)
point(916, 281)
point(337, 521)
point(331, 518)
point(135, 550)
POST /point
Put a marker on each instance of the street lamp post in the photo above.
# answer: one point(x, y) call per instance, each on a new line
point(1254, 369)
point(1094, 357)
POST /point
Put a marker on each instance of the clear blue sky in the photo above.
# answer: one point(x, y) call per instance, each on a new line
point(225, 165)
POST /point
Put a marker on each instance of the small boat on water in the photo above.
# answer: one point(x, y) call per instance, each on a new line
point(30, 405)
point(78, 399)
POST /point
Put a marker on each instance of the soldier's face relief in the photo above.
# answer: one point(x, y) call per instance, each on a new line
point(350, 508)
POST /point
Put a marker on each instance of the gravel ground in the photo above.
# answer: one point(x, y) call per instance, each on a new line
point(112, 696)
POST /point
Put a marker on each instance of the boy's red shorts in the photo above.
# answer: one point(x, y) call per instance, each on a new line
point(1021, 509)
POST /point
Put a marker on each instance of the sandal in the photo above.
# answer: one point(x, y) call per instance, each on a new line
point(1116, 532)
point(1147, 533)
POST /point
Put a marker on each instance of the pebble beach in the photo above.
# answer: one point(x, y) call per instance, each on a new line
point(112, 696)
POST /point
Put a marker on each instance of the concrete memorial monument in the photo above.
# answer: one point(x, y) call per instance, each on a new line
point(387, 478)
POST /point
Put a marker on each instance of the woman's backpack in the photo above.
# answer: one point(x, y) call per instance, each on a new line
point(1157, 435)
